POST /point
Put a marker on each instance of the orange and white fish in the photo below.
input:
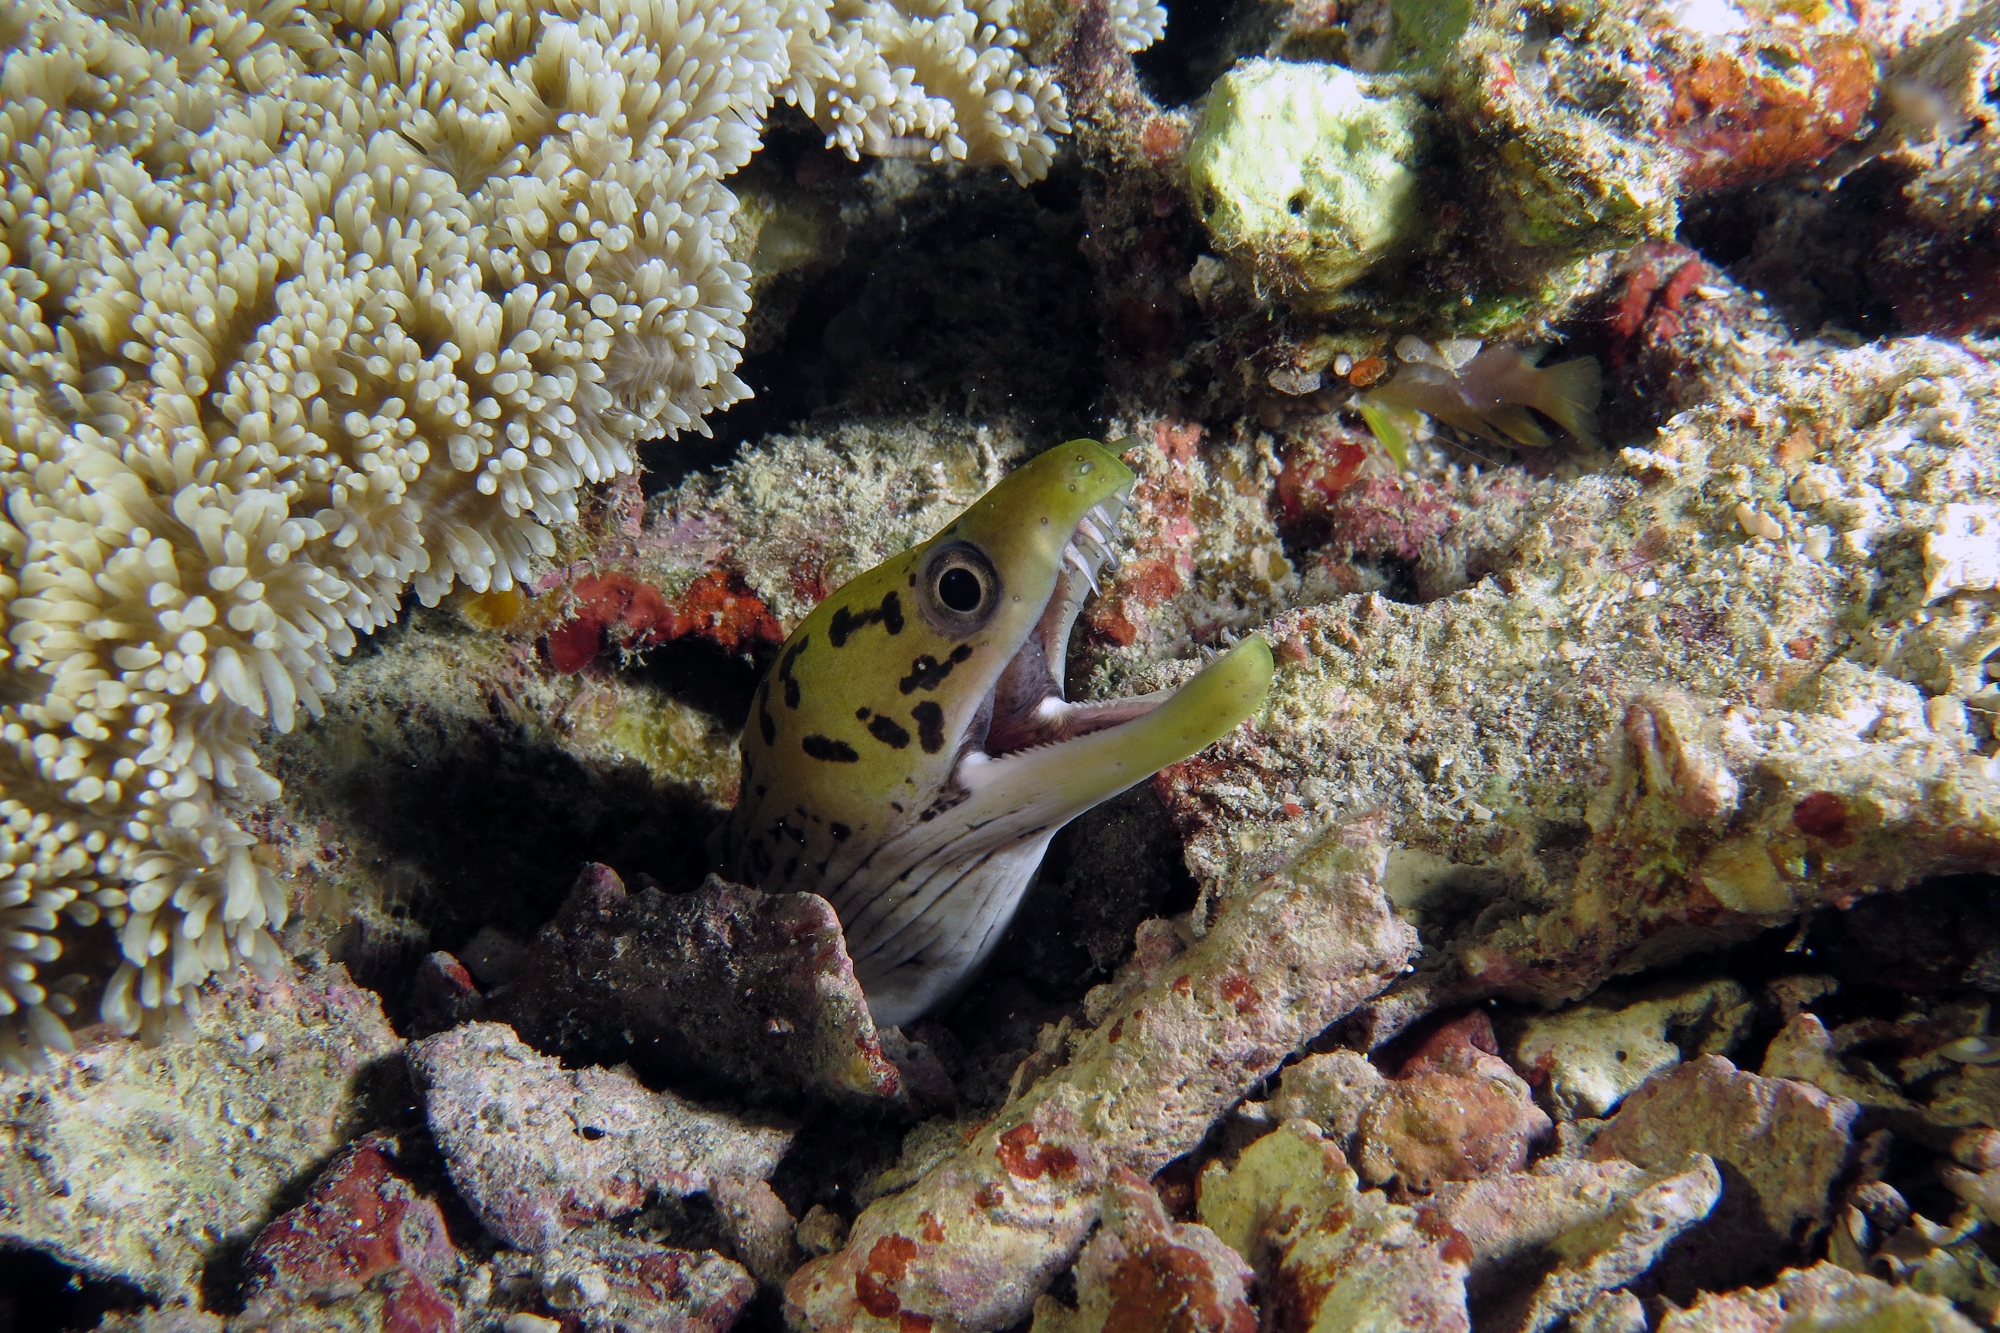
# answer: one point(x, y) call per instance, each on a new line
point(1485, 392)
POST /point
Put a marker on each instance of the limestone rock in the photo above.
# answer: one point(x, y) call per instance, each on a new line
point(134, 1162)
point(1780, 1145)
point(1587, 1057)
point(538, 1150)
point(1823, 1299)
point(723, 988)
point(1142, 1270)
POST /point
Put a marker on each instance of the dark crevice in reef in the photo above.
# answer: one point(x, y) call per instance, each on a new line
point(971, 296)
point(466, 822)
point(38, 1293)
point(703, 676)
point(1178, 69)
point(1808, 253)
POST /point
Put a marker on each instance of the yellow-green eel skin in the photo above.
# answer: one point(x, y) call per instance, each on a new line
point(909, 754)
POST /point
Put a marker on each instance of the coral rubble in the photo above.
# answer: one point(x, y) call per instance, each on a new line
point(1177, 1039)
point(132, 1163)
point(538, 1152)
point(1770, 588)
point(724, 986)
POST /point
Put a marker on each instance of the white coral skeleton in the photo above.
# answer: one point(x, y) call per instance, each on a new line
point(311, 303)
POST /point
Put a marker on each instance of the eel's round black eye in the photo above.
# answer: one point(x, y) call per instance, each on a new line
point(959, 588)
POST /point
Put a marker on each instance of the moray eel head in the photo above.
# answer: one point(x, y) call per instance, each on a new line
point(910, 753)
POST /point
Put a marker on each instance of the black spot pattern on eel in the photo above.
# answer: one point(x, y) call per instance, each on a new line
point(889, 615)
point(825, 747)
point(785, 671)
point(765, 725)
point(927, 673)
point(930, 725)
point(885, 730)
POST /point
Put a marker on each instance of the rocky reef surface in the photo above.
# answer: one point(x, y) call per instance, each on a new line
point(1597, 932)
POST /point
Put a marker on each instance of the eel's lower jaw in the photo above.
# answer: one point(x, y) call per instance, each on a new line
point(1111, 746)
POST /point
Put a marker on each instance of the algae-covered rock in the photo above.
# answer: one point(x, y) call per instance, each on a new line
point(1713, 690)
point(1309, 173)
point(1782, 1144)
point(1144, 1270)
point(1591, 1055)
point(134, 1162)
point(1821, 1299)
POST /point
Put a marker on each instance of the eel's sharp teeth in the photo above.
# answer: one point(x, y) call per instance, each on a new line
point(1071, 557)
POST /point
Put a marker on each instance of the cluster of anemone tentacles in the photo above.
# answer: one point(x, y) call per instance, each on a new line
point(312, 303)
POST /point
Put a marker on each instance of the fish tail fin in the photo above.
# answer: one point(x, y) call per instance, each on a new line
point(1518, 425)
point(1393, 427)
point(1569, 393)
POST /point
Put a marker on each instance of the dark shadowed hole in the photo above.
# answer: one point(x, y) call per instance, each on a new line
point(1179, 67)
point(979, 303)
point(40, 1295)
point(703, 676)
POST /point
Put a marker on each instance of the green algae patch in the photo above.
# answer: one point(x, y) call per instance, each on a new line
point(1309, 174)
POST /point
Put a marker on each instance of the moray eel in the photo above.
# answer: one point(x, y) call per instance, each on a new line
point(909, 754)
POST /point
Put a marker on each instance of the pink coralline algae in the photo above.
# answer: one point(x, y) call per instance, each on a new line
point(617, 612)
point(1455, 1111)
point(364, 1238)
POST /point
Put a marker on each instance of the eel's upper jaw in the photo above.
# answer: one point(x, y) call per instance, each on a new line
point(1027, 706)
point(1041, 760)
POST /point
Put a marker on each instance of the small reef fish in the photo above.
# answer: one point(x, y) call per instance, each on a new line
point(1483, 391)
point(910, 753)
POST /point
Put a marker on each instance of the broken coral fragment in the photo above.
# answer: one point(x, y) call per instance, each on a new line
point(125, 1161)
point(983, 1231)
point(1548, 1243)
point(1573, 739)
point(1587, 1057)
point(1454, 1111)
point(1143, 1270)
point(724, 987)
point(1784, 1143)
point(1535, 1247)
point(610, 1283)
point(538, 1151)
point(1332, 1257)
point(1820, 1299)
point(364, 1250)
point(1308, 173)
point(1284, 1183)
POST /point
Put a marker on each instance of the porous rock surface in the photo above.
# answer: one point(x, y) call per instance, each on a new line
point(1780, 1144)
point(538, 1150)
point(365, 1249)
point(1587, 1057)
point(1824, 1299)
point(1782, 585)
point(135, 1162)
point(725, 986)
point(1512, 1250)
point(1548, 1243)
point(1144, 1270)
point(1455, 1111)
point(1179, 1039)
point(617, 1284)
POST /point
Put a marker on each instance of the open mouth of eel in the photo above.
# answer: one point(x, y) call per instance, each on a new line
point(1026, 709)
